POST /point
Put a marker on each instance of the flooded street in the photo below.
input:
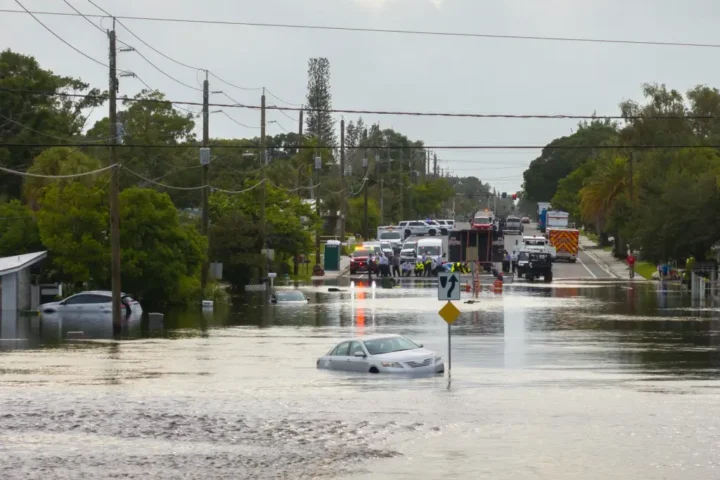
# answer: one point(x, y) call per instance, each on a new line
point(588, 380)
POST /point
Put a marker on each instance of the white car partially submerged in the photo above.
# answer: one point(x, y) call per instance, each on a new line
point(382, 354)
point(94, 302)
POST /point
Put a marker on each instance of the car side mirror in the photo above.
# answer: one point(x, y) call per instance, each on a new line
point(420, 345)
point(307, 298)
point(360, 355)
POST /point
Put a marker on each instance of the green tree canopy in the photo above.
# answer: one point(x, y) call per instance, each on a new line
point(18, 230)
point(36, 119)
point(59, 161)
point(556, 162)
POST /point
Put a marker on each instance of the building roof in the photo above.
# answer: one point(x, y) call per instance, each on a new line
point(19, 262)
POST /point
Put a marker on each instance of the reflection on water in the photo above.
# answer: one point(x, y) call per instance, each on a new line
point(559, 381)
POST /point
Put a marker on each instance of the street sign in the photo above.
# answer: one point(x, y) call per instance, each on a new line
point(449, 313)
point(449, 286)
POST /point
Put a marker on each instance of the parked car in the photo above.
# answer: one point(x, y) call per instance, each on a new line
point(450, 224)
point(392, 234)
point(417, 228)
point(94, 301)
point(374, 247)
point(525, 220)
point(408, 252)
point(381, 354)
point(439, 225)
point(387, 249)
point(359, 261)
point(288, 297)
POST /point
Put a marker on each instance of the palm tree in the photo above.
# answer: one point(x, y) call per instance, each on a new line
point(602, 189)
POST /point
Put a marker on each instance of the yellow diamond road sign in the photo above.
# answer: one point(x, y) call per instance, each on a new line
point(449, 312)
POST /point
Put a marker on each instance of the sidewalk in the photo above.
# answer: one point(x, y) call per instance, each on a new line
point(334, 274)
point(614, 267)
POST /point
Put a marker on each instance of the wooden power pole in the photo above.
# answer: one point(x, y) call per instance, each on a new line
point(343, 197)
point(114, 190)
point(205, 161)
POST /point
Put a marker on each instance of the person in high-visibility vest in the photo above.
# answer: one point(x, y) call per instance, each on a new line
point(419, 269)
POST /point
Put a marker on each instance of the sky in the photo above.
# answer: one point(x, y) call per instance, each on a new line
point(377, 71)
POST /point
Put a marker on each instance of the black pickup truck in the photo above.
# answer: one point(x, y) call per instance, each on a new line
point(539, 264)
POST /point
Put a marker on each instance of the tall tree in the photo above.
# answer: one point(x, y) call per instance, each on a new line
point(556, 162)
point(319, 121)
point(35, 119)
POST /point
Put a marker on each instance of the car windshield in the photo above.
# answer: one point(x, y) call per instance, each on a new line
point(535, 243)
point(513, 220)
point(380, 346)
point(522, 256)
point(538, 256)
point(482, 220)
point(291, 296)
point(390, 236)
point(429, 250)
point(360, 253)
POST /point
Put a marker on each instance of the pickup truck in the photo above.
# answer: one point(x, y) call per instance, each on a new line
point(392, 234)
point(417, 228)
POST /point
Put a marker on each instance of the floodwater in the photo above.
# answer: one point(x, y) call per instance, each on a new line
point(592, 381)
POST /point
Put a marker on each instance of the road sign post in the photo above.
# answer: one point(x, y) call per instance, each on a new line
point(448, 290)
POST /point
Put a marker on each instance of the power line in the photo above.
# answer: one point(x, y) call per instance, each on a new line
point(389, 112)
point(59, 37)
point(140, 39)
point(236, 86)
point(86, 18)
point(178, 62)
point(37, 175)
point(434, 33)
point(392, 147)
point(237, 122)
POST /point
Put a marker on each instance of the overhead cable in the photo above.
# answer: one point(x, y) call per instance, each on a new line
point(74, 175)
point(387, 112)
point(434, 33)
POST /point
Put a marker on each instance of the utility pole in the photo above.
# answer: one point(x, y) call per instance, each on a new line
point(300, 144)
point(366, 232)
point(318, 166)
point(114, 190)
point(343, 209)
point(382, 202)
point(296, 266)
point(205, 161)
point(631, 177)
point(263, 156)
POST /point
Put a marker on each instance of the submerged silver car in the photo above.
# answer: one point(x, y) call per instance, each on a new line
point(382, 354)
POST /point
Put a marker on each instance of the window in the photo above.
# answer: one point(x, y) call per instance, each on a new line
point(387, 345)
point(390, 236)
point(417, 224)
point(292, 296)
point(342, 350)
point(482, 220)
point(355, 347)
point(429, 250)
point(360, 253)
point(79, 300)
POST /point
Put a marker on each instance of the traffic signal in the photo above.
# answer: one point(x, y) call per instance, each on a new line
point(514, 196)
point(504, 195)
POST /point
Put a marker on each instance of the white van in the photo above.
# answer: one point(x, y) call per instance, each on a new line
point(430, 246)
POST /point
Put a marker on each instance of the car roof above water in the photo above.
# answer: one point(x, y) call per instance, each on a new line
point(371, 337)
